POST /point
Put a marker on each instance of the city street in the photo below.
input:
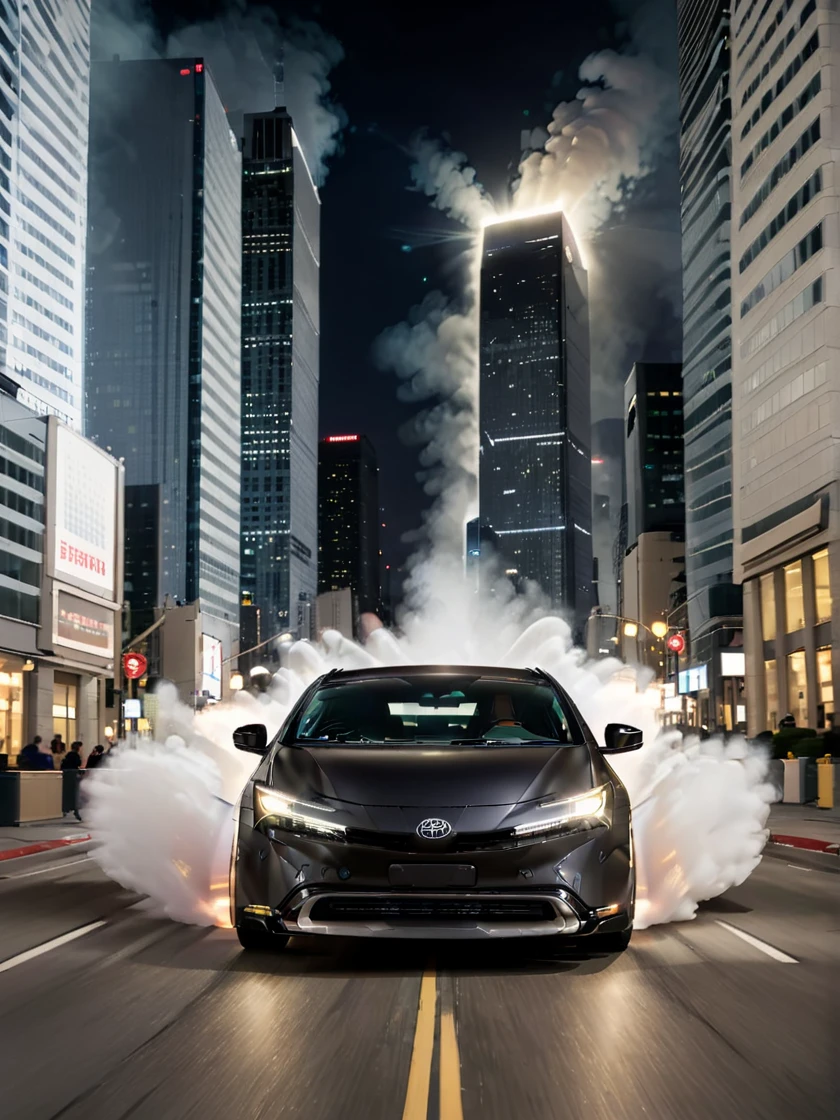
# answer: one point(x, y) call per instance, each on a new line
point(109, 1013)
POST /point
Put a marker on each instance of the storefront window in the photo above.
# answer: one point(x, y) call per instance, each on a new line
point(825, 688)
point(768, 608)
point(771, 687)
point(797, 683)
point(64, 710)
point(11, 713)
point(794, 601)
point(822, 586)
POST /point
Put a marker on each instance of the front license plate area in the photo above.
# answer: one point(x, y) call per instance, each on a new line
point(431, 875)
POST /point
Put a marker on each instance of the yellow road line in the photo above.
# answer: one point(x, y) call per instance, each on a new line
point(420, 1071)
point(451, 1107)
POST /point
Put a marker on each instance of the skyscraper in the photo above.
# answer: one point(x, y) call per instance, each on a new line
point(654, 559)
point(714, 601)
point(534, 414)
point(44, 76)
point(786, 357)
point(280, 370)
point(348, 519)
point(163, 357)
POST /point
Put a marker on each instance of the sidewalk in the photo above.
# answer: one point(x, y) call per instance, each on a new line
point(28, 839)
point(805, 826)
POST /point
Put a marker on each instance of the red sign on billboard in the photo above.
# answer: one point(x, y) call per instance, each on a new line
point(134, 665)
point(676, 643)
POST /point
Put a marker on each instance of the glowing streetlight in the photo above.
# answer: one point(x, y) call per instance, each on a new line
point(631, 629)
point(237, 682)
point(659, 628)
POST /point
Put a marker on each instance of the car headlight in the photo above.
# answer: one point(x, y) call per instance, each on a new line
point(285, 811)
point(572, 813)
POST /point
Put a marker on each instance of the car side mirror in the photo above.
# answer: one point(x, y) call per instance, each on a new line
point(252, 737)
point(621, 737)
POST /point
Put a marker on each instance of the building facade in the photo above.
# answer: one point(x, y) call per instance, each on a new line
point(714, 604)
point(534, 412)
point(280, 373)
point(653, 565)
point(786, 354)
point(348, 520)
point(44, 79)
point(60, 578)
point(163, 327)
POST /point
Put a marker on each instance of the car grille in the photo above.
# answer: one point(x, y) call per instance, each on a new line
point(408, 842)
point(384, 908)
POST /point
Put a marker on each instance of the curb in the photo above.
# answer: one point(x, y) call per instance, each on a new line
point(43, 846)
point(827, 846)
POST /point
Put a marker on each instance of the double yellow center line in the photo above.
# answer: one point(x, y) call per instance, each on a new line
point(418, 1093)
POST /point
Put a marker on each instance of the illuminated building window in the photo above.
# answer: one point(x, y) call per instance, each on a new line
point(822, 586)
point(797, 686)
point(825, 687)
point(794, 599)
point(771, 687)
point(768, 608)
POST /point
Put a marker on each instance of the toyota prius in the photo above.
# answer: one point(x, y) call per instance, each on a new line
point(434, 802)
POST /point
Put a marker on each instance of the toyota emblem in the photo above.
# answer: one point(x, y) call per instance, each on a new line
point(434, 828)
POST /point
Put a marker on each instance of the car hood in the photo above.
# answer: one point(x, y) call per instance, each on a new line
point(433, 777)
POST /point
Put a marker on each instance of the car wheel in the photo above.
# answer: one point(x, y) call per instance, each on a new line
point(259, 940)
point(610, 942)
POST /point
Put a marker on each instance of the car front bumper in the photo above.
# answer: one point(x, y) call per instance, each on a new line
point(574, 885)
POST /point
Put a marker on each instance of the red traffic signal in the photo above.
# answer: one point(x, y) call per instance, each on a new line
point(676, 643)
point(134, 665)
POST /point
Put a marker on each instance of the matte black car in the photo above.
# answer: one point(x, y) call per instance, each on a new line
point(434, 802)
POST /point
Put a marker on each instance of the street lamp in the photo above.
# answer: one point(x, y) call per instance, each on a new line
point(631, 629)
point(237, 682)
point(659, 628)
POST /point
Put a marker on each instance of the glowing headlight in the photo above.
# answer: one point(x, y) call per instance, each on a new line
point(273, 803)
point(589, 806)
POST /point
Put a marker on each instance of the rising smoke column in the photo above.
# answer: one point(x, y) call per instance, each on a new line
point(254, 57)
point(434, 354)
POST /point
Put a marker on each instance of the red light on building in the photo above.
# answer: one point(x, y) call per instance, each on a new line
point(186, 72)
point(597, 462)
point(199, 67)
point(676, 643)
point(342, 439)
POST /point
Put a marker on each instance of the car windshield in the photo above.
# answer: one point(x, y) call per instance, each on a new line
point(458, 711)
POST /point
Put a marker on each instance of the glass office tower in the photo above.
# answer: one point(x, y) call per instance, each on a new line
point(714, 601)
point(348, 519)
point(44, 79)
point(164, 306)
point(535, 460)
point(280, 370)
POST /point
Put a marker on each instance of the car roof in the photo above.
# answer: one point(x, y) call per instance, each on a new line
point(383, 672)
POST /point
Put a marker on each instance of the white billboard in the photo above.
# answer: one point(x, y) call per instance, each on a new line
point(211, 667)
point(86, 501)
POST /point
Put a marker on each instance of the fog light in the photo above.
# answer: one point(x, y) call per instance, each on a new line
point(260, 911)
point(605, 911)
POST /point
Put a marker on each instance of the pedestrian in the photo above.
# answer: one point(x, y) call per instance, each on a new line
point(45, 759)
point(57, 745)
point(96, 758)
point(29, 757)
point(72, 764)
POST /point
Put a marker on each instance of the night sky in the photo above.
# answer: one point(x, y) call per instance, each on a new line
point(475, 75)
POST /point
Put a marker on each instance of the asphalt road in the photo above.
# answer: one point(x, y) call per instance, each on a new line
point(140, 1017)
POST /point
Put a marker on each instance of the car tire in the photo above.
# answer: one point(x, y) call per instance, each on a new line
point(610, 942)
point(259, 940)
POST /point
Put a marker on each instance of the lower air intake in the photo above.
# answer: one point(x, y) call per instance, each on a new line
point(386, 909)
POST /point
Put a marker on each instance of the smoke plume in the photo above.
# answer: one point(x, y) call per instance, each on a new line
point(700, 808)
point(256, 61)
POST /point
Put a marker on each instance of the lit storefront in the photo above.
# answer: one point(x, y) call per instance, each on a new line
point(60, 578)
point(792, 635)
